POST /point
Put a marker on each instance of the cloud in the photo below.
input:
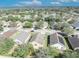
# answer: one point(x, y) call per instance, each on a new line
point(56, 3)
point(29, 3)
point(68, 0)
point(75, 0)
point(18, 5)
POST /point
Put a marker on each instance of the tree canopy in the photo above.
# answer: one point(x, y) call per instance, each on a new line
point(28, 25)
point(5, 46)
point(70, 54)
point(23, 51)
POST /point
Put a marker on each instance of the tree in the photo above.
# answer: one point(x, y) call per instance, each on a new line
point(20, 52)
point(58, 26)
point(13, 19)
point(23, 51)
point(5, 46)
point(1, 28)
point(39, 25)
point(72, 21)
point(30, 20)
point(41, 53)
point(53, 52)
point(47, 52)
point(51, 21)
point(64, 27)
point(59, 17)
point(70, 54)
point(68, 30)
point(28, 25)
point(5, 19)
point(38, 19)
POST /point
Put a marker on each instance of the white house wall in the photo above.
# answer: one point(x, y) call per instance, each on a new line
point(59, 46)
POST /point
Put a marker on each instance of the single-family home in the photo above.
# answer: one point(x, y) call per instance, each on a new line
point(9, 33)
point(56, 40)
point(1, 37)
point(5, 24)
point(27, 17)
point(74, 41)
point(19, 16)
point(76, 25)
point(19, 24)
point(12, 24)
point(22, 37)
point(37, 40)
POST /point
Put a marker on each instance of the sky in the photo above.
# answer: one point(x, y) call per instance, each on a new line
point(20, 3)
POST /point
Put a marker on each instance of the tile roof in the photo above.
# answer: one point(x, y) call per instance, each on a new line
point(9, 33)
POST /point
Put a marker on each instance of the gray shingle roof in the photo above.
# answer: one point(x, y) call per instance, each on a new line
point(12, 24)
point(22, 36)
point(53, 39)
point(33, 37)
point(74, 41)
point(61, 40)
point(76, 24)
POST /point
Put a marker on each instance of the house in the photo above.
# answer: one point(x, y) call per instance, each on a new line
point(1, 37)
point(22, 37)
point(19, 24)
point(9, 33)
point(5, 24)
point(27, 17)
point(19, 16)
point(12, 24)
point(74, 41)
point(76, 25)
point(45, 25)
point(62, 33)
point(55, 40)
point(37, 40)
